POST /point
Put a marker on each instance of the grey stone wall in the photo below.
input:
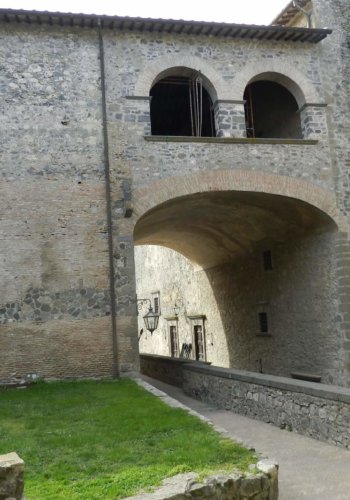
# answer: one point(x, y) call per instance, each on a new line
point(335, 73)
point(308, 162)
point(298, 296)
point(134, 55)
point(261, 485)
point(169, 370)
point(313, 120)
point(322, 73)
point(315, 410)
point(230, 118)
point(54, 298)
point(177, 281)
point(53, 206)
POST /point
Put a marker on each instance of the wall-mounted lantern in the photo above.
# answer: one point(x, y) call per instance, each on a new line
point(151, 318)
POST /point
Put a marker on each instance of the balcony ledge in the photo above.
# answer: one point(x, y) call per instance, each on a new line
point(229, 140)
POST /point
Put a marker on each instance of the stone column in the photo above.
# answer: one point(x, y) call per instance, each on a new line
point(230, 118)
point(128, 122)
point(313, 120)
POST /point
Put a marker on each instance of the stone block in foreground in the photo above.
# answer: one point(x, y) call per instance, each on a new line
point(262, 485)
point(11, 477)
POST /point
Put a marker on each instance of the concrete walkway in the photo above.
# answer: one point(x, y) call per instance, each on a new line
point(308, 469)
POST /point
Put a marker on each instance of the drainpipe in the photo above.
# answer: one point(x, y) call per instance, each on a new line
point(303, 11)
point(115, 367)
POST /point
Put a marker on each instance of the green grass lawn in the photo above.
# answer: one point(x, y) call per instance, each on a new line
point(105, 440)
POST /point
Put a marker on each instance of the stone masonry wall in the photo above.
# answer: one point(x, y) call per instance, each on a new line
point(169, 370)
point(315, 410)
point(335, 78)
point(135, 55)
point(153, 161)
point(260, 485)
point(298, 296)
point(312, 409)
point(177, 281)
point(54, 300)
point(52, 204)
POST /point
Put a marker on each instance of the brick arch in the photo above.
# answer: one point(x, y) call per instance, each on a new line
point(157, 193)
point(281, 72)
point(148, 75)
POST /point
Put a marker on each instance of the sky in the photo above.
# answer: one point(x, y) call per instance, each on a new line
point(230, 11)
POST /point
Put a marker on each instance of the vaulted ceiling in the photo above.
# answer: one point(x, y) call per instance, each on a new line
point(217, 227)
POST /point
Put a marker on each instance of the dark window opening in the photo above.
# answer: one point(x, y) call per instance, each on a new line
point(267, 260)
point(174, 342)
point(182, 107)
point(271, 111)
point(263, 324)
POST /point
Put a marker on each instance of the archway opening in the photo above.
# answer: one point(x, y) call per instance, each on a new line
point(271, 111)
point(182, 106)
point(244, 277)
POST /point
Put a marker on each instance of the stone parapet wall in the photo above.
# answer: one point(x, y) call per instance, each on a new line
point(168, 370)
point(316, 410)
point(178, 158)
point(261, 485)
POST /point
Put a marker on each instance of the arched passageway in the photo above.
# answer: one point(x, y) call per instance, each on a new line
point(248, 274)
point(214, 228)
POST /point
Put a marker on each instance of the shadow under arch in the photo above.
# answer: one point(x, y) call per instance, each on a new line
point(151, 72)
point(150, 196)
point(291, 85)
point(214, 228)
point(184, 71)
point(226, 232)
point(272, 101)
point(293, 79)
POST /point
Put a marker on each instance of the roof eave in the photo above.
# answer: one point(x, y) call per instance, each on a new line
point(138, 24)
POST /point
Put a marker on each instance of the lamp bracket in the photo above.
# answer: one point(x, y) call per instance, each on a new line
point(142, 302)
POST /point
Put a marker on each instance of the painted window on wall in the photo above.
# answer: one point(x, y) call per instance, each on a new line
point(174, 341)
point(199, 342)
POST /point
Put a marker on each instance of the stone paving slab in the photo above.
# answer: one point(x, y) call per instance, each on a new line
point(308, 469)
